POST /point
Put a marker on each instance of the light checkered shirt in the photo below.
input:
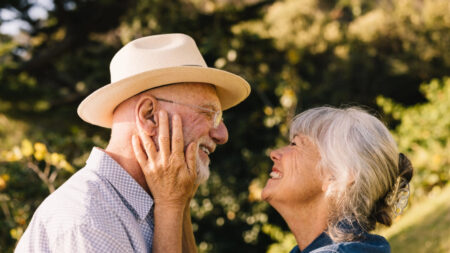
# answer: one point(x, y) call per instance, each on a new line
point(101, 208)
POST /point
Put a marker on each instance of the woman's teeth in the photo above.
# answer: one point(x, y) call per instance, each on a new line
point(275, 174)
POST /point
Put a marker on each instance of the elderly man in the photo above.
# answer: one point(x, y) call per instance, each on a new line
point(107, 206)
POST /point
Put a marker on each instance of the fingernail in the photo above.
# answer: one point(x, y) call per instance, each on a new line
point(161, 113)
point(176, 117)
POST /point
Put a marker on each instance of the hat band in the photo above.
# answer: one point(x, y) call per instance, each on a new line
point(193, 65)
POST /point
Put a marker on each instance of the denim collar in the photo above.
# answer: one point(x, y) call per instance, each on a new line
point(321, 241)
point(365, 243)
point(324, 239)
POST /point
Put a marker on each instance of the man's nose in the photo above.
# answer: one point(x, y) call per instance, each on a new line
point(219, 134)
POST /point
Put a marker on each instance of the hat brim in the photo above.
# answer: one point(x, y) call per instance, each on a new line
point(99, 106)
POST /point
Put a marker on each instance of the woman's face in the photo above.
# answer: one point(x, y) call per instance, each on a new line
point(295, 177)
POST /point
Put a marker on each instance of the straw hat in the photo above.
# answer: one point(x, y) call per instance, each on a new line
point(155, 61)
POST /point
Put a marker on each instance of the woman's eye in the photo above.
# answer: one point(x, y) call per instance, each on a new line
point(292, 143)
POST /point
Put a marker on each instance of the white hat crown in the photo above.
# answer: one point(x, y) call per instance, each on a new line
point(156, 61)
point(155, 52)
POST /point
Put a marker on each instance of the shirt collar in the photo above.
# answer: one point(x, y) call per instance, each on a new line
point(324, 239)
point(107, 168)
point(321, 241)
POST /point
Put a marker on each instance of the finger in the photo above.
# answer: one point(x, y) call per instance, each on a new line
point(150, 149)
point(177, 135)
point(138, 152)
point(194, 171)
point(163, 135)
point(149, 146)
point(191, 158)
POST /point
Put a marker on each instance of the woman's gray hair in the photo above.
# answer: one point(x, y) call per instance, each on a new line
point(361, 158)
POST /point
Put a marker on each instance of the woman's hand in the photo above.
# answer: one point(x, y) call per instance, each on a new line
point(170, 175)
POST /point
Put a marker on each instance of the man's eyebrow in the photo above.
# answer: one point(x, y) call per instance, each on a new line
point(210, 106)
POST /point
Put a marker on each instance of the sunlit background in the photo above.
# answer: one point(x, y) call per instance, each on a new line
point(390, 56)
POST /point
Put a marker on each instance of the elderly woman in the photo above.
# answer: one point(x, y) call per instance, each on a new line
point(340, 175)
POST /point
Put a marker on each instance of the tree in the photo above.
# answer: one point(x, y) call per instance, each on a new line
point(423, 133)
point(295, 54)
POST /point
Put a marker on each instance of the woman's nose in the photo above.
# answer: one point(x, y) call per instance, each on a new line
point(275, 155)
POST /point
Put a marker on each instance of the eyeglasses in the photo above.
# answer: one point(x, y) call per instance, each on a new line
point(217, 118)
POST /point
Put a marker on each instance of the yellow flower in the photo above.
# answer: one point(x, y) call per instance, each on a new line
point(67, 167)
point(41, 151)
point(27, 148)
point(2, 184)
point(5, 177)
point(12, 156)
point(55, 159)
point(16, 233)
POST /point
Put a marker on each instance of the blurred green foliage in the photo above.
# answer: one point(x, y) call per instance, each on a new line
point(425, 227)
point(295, 54)
point(424, 134)
point(28, 173)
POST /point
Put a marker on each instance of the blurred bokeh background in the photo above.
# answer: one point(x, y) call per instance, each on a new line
point(390, 56)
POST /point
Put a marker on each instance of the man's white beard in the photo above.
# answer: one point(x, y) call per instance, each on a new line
point(202, 170)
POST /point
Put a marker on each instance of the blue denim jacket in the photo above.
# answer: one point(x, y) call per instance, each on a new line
point(369, 244)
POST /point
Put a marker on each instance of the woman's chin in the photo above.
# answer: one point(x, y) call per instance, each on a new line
point(267, 192)
point(274, 191)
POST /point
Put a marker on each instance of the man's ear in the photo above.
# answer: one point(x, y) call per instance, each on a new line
point(146, 116)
